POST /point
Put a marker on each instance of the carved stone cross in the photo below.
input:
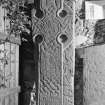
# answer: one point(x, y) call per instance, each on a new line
point(52, 23)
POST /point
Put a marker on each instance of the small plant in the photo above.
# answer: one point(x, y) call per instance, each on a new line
point(16, 15)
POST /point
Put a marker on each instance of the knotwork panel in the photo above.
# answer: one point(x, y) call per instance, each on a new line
point(55, 26)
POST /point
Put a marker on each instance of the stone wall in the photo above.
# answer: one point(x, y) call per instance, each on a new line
point(94, 75)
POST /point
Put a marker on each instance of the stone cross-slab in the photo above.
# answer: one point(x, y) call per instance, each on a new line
point(52, 23)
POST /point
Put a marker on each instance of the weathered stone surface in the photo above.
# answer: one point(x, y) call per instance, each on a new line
point(8, 65)
point(68, 76)
point(94, 75)
point(55, 52)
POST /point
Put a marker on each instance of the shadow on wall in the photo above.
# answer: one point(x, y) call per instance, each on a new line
point(99, 28)
point(82, 11)
point(28, 69)
point(78, 80)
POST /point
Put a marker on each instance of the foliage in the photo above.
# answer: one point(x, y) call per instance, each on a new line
point(20, 22)
point(17, 16)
